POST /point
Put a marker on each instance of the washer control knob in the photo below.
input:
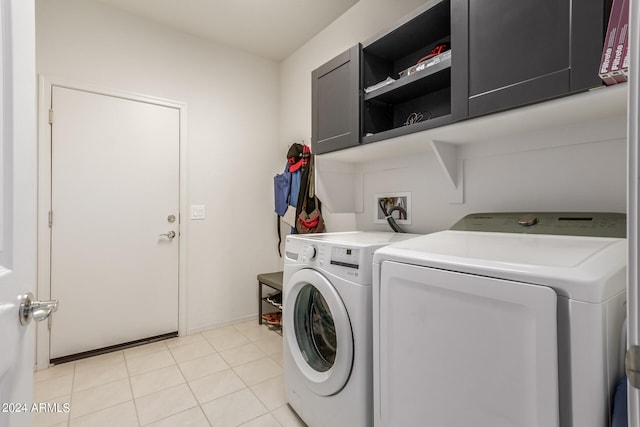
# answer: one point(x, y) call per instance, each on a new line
point(527, 220)
point(310, 252)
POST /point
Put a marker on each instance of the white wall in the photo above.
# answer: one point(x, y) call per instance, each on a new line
point(588, 177)
point(244, 111)
point(232, 105)
point(364, 20)
point(538, 175)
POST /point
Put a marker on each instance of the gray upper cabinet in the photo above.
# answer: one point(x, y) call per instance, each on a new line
point(530, 50)
point(455, 59)
point(335, 103)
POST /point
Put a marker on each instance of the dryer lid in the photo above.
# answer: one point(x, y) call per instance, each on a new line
point(589, 269)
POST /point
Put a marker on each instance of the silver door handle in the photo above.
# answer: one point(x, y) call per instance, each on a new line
point(36, 310)
point(170, 235)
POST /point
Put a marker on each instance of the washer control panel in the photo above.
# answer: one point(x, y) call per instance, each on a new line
point(592, 224)
point(349, 262)
point(347, 255)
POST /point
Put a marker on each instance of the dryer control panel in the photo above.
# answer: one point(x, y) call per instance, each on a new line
point(591, 224)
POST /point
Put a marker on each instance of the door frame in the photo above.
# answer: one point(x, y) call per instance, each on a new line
point(633, 207)
point(45, 85)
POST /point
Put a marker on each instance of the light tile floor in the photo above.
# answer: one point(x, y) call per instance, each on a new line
point(230, 376)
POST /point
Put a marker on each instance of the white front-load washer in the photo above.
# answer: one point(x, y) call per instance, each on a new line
point(505, 320)
point(327, 331)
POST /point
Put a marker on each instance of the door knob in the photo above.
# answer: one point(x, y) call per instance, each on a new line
point(36, 310)
point(170, 235)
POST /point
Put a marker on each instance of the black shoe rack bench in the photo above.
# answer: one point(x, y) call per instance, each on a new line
point(272, 280)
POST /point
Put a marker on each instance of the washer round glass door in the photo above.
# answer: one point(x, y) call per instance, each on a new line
point(318, 332)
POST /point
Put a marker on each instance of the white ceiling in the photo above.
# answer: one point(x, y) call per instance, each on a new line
point(270, 28)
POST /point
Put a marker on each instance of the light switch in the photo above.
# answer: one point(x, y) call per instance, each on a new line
point(198, 212)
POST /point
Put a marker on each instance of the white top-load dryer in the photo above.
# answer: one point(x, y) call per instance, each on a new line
point(327, 331)
point(505, 320)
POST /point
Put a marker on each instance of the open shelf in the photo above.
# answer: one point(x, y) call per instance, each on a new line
point(428, 80)
point(427, 92)
point(403, 130)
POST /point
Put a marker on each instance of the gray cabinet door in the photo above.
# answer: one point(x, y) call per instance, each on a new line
point(531, 50)
point(335, 103)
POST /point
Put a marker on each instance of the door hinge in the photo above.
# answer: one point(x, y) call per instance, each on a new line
point(50, 218)
point(50, 116)
point(632, 366)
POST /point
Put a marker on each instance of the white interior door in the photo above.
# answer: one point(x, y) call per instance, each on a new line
point(115, 205)
point(17, 206)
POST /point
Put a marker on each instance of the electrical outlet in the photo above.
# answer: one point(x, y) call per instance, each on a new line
point(401, 201)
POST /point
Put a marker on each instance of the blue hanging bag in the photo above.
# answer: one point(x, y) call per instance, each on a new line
point(282, 190)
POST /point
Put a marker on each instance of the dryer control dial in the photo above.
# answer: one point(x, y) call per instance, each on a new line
point(310, 252)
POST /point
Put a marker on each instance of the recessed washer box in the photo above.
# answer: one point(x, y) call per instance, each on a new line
point(390, 200)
